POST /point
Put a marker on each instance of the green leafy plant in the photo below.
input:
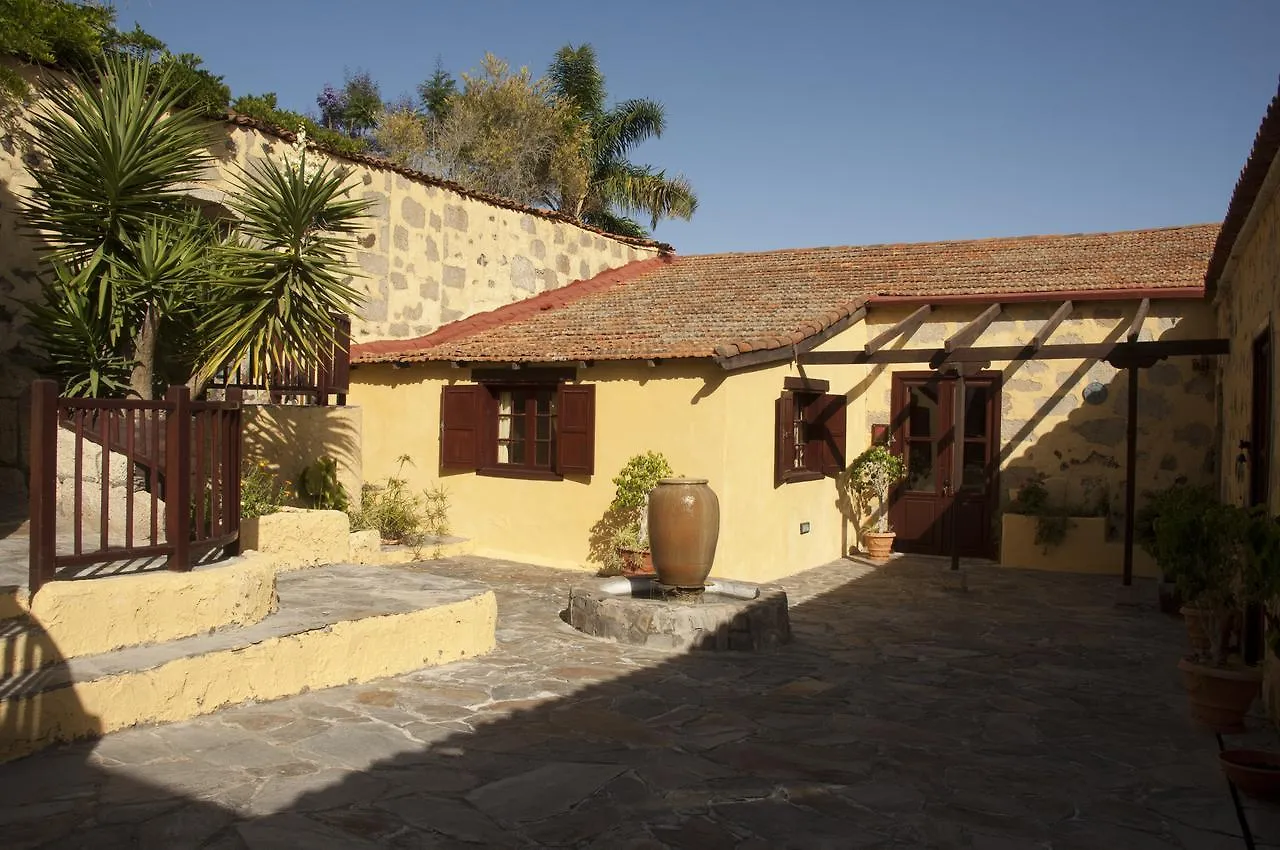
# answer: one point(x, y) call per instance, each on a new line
point(870, 477)
point(401, 515)
point(1054, 521)
point(1260, 581)
point(1198, 542)
point(319, 482)
point(260, 494)
point(624, 525)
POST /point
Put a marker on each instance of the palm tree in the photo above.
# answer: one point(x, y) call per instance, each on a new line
point(618, 188)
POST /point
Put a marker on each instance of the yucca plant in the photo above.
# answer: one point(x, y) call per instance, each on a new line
point(296, 228)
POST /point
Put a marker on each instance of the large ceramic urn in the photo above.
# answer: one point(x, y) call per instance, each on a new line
point(684, 524)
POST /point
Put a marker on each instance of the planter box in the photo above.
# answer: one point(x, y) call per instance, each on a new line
point(1085, 549)
point(295, 537)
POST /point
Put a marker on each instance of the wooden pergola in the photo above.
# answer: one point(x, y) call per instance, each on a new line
point(959, 355)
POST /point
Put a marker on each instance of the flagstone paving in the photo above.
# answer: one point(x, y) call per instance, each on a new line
point(1027, 712)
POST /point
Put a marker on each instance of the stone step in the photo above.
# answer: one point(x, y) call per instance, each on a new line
point(335, 625)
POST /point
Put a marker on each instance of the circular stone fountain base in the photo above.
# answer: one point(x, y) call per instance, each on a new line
point(725, 615)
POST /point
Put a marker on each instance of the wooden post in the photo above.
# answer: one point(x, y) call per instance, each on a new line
point(234, 438)
point(177, 473)
point(43, 496)
point(1131, 474)
point(957, 467)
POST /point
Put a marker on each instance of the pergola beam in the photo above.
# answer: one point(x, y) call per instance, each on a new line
point(1046, 330)
point(1139, 316)
point(906, 326)
point(1157, 349)
point(969, 334)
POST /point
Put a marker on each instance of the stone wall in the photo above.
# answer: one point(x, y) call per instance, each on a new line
point(1248, 299)
point(431, 255)
point(1047, 428)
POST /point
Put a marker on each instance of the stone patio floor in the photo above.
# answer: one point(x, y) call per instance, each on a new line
point(1027, 712)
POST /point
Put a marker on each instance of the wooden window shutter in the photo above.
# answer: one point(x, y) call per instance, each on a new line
point(829, 421)
point(461, 425)
point(784, 453)
point(576, 429)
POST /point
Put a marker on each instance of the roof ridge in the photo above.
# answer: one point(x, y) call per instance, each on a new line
point(507, 313)
point(935, 243)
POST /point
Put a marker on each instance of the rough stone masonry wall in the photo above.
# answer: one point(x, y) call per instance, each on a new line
point(1248, 301)
point(430, 256)
point(1046, 427)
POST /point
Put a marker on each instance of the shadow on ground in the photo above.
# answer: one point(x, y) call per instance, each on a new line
point(1027, 712)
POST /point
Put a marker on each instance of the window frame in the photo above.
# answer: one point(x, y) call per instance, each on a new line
point(806, 402)
point(491, 412)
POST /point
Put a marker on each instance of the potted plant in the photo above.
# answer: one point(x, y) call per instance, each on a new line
point(1257, 772)
point(1144, 531)
point(629, 510)
point(1198, 542)
point(872, 476)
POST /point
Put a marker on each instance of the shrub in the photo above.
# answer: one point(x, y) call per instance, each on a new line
point(319, 482)
point(259, 492)
point(399, 514)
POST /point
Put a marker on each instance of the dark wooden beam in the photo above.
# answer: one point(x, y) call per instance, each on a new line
point(1131, 474)
point(1158, 349)
point(907, 325)
point(969, 333)
point(1046, 330)
point(1135, 328)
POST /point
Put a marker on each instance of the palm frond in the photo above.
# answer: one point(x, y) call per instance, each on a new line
point(628, 124)
point(575, 76)
point(612, 223)
point(638, 188)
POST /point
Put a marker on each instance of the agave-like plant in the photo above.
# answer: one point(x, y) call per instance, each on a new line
point(295, 231)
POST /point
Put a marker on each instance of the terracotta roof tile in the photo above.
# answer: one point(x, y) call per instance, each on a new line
point(1266, 145)
point(725, 304)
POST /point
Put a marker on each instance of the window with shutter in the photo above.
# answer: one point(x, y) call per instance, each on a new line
point(460, 426)
point(810, 439)
point(519, 430)
point(577, 408)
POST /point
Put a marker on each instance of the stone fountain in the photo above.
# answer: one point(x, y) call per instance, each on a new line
point(679, 609)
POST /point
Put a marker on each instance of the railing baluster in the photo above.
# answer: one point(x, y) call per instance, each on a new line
point(177, 511)
point(198, 486)
point(128, 492)
point(104, 436)
point(42, 558)
point(156, 455)
point(78, 504)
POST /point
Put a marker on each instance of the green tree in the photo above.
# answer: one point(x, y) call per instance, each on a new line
point(617, 188)
point(361, 104)
point(437, 92)
point(141, 288)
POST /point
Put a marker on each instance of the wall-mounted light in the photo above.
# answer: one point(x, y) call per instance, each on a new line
point(1094, 393)
point(1242, 459)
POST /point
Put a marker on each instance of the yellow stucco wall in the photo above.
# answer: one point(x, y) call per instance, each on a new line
point(291, 437)
point(720, 426)
point(1248, 301)
point(267, 670)
point(90, 617)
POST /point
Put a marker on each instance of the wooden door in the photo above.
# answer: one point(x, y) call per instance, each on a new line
point(924, 435)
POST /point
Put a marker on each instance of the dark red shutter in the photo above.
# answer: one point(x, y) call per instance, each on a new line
point(830, 421)
point(576, 429)
point(784, 453)
point(460, 426)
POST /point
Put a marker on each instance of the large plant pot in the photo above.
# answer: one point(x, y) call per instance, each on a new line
point(1197, 634)
point(879, 544)
point(684, 525)
point(1255, 772)
point(636, 562)
point(1170, 598)
point(1220, 696)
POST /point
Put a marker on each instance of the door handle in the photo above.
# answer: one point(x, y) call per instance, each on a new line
point(946, 488)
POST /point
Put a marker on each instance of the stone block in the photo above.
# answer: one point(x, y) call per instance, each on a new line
point(413, 213)
point(296, 537)
point(364, 546)
point(455, 216)
point(455, 277)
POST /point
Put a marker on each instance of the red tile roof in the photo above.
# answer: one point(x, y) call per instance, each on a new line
point(1266, 145)
point(725, 304)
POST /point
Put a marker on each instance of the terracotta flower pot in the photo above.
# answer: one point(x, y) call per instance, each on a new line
point(636, 562)
point(1255, 772)
point(684, 526)
point(1220, 696)
point(879, 544)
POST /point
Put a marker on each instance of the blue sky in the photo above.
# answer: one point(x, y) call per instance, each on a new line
point(828, 123)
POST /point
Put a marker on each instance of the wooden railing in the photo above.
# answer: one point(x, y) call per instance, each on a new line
point(307, 383)
point(116, 480)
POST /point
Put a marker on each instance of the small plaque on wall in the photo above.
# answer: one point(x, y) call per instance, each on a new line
point(880, 435)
